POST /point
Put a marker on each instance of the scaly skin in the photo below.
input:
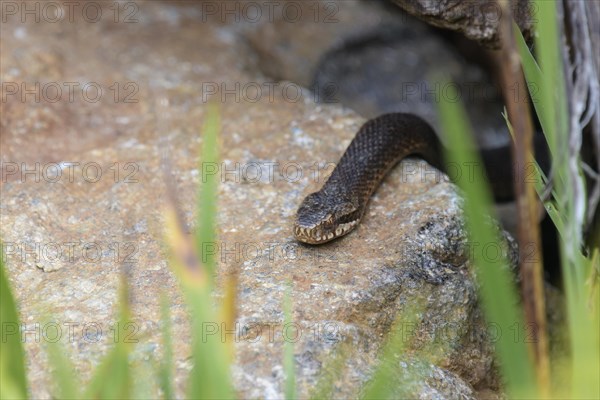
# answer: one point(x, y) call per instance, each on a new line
point(381, 143)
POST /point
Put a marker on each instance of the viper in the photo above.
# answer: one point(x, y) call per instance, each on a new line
point(381, 143)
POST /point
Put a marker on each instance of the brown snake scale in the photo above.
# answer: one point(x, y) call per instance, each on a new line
point(381, 143)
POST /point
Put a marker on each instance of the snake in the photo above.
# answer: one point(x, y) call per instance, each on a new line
point(382, 142)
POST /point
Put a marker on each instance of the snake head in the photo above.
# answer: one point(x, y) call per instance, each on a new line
point(321, 218)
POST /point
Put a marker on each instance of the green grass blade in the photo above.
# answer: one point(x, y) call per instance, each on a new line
point(497, 291)
point(288, 351)
point(551, 107)
point(144, 386)
point(332, 369)
point(539, 93)
point(542, 100)
point(165, 376)
point(556, 128)
point(13, 382)
point(551, 78)
point(207, 194)
point(540, 180)
point(112, 379)
point(380, 385)
point(583, 323)
point(210, 377)
point(62, 372)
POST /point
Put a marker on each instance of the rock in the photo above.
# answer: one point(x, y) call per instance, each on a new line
point(355, 288)
point(376, 59)
point(476, 20)
point(86, 228)
point(407, 68)
point(290, 48)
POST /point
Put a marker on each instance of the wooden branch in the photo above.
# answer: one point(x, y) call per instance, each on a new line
point(519, 115)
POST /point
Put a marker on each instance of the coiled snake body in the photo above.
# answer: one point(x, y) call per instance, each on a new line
point(381, 142)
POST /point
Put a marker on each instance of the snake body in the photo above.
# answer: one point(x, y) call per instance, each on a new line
point(381, 142)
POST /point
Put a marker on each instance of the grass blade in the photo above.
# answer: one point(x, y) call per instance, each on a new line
point(331, 370)
point(210, 378)
point(112, 379)
point(165, 376)
point(13, 382)
point(497, 291)
point(207, 194)
point(584, 323)
point(288, 350)
point(535, 84)
point(380, 385)
point(62, 372)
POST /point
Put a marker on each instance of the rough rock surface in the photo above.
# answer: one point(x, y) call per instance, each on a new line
point(66, 239)
point(478, 20)
point(289, 48)
point(378, 59)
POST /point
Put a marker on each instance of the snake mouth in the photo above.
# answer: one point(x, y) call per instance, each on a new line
point(317, 235)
